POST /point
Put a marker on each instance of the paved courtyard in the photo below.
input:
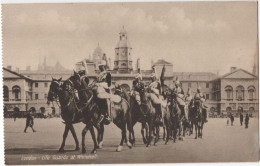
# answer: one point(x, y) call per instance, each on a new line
point(220, 143)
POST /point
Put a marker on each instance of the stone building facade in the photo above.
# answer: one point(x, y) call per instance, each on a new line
point(232, 92)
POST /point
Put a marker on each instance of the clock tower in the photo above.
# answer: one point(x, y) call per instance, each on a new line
point(123, 50)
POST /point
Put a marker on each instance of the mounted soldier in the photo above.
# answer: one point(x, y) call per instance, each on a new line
point(103, 91)
point(155, 88)
point(200, 99)
point(136, 83)
point(180, 97)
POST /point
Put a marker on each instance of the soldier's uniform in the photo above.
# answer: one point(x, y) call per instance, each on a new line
point(103, 91)
point(180, 98)
point(136, 84)
point(155, 88)
point(199, 98)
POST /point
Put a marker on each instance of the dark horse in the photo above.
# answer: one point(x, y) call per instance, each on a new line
point(198, 118)
point(69, 109)
point(175, 119)
point(119, 111)
point(145, 114)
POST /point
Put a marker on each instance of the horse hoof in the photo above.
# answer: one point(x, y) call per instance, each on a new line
point(129, 145)
point(119, 148)
point(145, 142)
point(94, 151)
point(100, 145)
point(77, 149)
point(61, 150)
point(148, 145)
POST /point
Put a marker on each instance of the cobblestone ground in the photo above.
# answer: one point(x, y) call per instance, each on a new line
point(220, 143)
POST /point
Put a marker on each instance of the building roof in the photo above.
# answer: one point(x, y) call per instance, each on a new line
point(14, 74)
point(123, 43)
point(195, 76)
point(237, 71)
point(123, 31)
point(162, 62)
point(98, 51)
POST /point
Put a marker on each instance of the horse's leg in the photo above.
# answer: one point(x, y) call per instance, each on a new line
point(196, 130)
point(93, 135)
point(123, 137)
point(65, 134)
point(142, 132)
point(101, 135)
point(84, 131)
point(150, 125)
point(167, 133)
point(25, 128)
point(164, 131)
point(74, 136)
point(157, 129)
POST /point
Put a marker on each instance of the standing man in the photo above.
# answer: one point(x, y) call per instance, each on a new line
point(241, 119)
point(29, 121)
point(232, 119)
point(246, 121)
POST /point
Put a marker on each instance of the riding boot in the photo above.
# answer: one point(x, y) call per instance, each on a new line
point(205, 115)
point(108, 117)
point(160, 114)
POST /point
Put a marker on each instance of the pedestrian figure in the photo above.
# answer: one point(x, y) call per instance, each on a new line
point(246, 120)
point(227, 121)
point(29, 121)
point(241, 119)
point(232, 119)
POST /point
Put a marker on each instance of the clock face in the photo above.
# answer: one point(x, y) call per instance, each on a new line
point(123, 52)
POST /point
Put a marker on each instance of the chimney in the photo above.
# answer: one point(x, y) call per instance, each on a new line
point(28, 68)
point(233, 69)
point(9, 67)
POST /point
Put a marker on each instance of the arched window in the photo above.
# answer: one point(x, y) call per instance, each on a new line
point(6, 93)
point(16, 90)
point(228, 109)
point(229, 92)
point(251, 109)
point(251, 92)
point(240, 93)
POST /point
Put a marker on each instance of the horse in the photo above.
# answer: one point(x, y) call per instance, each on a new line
point(176, 116)
point(145, 113)
point(119, 111)
point(68, 104)
point(133, 114)
point(198, 119)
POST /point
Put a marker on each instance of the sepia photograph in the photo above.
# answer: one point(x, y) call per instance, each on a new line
point(130, 82)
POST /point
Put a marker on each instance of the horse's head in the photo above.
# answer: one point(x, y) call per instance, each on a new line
point(55, 88)
point(75, 80)
point(118, 90)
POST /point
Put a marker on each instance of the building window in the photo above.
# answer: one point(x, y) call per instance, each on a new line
point(229, 92)
point(45, 96)
point(36, 84)
point(123, 64)
point(251, 91)
point(36, 96)
point(16, 93)
point(6, 93)
point(240, 93)
point(189, 85)
point(207, 96)
point(46, 84)
point(207, 85)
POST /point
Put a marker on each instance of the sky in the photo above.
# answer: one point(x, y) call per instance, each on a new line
point(193, 36)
